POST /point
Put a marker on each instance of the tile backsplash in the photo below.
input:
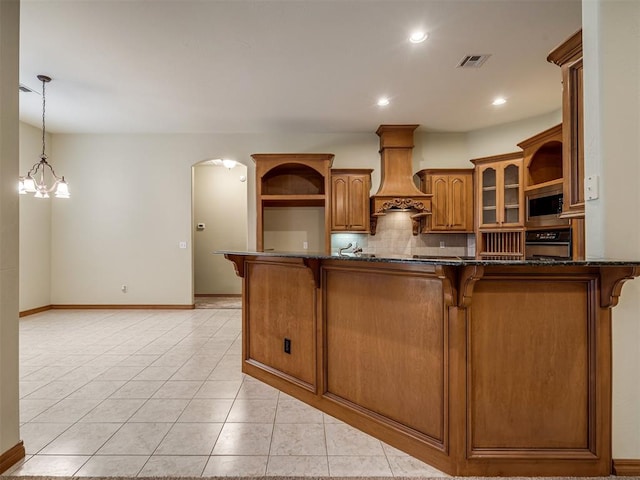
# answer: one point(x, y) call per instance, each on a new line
point(394, 235)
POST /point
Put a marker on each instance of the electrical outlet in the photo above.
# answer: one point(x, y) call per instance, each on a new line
point(442, 244)
point(305, 245)
point(182, 244)
point(287, 346)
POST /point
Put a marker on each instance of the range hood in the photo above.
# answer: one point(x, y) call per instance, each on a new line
point(397, 190)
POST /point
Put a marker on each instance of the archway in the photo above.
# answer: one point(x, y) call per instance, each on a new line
point(219, 221)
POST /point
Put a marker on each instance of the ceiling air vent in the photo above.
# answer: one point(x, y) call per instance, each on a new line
point(25, 89)
point(473, 61)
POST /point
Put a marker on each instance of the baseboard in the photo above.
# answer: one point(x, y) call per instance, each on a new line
point(33, 311)
point(123, 307)
point(12, 456)
point(626, 467)
point(106, 307)
point(218, 295)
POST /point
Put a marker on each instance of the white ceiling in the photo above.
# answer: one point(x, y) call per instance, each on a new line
point(288, 66)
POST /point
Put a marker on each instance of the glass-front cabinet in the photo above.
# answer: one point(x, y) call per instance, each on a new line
point(511, 188)
point(489, 202)
point(499, 191)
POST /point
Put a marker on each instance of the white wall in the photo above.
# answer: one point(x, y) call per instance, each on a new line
point(454, 150)
point(131, 202)
point(505, 138)
point(287, 229)
point(130, 207)
point(35, 226)
point(611, 40)
point(220, 202)
point(440, 150)
point(9, 224)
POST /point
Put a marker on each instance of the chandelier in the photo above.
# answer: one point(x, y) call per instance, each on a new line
point(34, 180)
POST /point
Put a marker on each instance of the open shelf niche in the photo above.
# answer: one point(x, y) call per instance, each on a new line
point(543, 159)
point(285, 181)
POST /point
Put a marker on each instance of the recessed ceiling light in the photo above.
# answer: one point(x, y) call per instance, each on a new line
point(383, 101)
point(499, 101)
point(418, 37)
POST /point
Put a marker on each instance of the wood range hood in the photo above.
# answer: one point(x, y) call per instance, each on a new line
point(397, 190)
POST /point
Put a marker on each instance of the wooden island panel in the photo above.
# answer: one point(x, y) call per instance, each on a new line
point(529, 372)
point(388, 357)
point(278, 311)
point(477, 368)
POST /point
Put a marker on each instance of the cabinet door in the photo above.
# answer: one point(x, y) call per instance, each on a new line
point(500, 195)
point(440, 203)
point(460, 201)
point(574, 151)
point(358, 211)
point(339, 203)
point(350, 202)
point(511, 201)
point(488, 196)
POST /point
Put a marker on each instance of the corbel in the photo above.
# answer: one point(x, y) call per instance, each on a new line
point(469, 275)
point(449, 284)
point(611, 281)
point(313, 264)
point(238, 263)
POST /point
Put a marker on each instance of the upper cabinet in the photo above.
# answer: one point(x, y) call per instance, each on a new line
point(285, 180)
point(568, 56)
point(350, 190)
point(499, 192)
point(452, 201)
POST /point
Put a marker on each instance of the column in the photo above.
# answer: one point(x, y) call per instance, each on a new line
point(611, 45)
point(10, 448)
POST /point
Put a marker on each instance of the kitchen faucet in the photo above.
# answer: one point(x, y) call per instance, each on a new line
point(356, 248)
point(340, 250)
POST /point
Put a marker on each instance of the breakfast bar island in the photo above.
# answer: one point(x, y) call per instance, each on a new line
point(476, 367)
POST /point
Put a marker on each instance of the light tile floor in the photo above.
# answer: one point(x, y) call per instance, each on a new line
point(160, 393)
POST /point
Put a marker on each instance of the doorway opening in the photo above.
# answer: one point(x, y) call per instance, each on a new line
point(219, 222)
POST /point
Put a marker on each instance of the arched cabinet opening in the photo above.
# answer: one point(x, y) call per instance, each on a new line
point(293, 179)
point(543, 158)
point(546, 163)
point(293, 194)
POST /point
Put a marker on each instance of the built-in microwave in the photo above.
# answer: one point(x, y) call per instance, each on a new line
point(543, 207)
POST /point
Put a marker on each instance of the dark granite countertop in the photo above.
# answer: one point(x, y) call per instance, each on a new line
point(437, 260)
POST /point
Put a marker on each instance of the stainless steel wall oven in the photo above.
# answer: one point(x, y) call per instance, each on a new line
point(548, 244)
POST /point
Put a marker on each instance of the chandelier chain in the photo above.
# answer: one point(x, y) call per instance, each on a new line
point(43, 125)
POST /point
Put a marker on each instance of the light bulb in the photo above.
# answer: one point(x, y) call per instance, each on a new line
point(62, 190)
point(29, 184)
point(228, 163)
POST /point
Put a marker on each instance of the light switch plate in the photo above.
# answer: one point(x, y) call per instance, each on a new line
point(591, 187)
